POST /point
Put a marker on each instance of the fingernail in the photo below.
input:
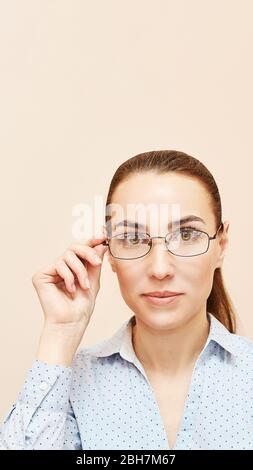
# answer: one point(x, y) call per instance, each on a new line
point(97, 259)
point(87, 282)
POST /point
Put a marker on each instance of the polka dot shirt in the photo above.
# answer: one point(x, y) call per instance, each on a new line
point(105, 400)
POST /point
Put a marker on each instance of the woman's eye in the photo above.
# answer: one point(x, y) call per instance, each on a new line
point(132, 239)
point(185, 234)
point(135, 240)
point(188, 234)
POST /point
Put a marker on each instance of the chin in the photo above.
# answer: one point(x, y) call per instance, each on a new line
point(161, 319)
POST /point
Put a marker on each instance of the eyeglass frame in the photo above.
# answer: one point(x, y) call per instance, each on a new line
point(106, 243)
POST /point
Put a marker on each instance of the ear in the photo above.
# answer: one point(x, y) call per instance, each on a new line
point(222, 237)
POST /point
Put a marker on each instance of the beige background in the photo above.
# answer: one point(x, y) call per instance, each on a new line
point(84, 86)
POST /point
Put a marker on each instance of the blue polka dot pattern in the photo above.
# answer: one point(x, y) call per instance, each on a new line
point(105, 400)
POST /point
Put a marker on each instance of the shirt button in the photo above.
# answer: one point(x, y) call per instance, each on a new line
point(43, 386)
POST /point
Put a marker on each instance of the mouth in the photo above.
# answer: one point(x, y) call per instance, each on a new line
point(164, 293)
point(162, 297)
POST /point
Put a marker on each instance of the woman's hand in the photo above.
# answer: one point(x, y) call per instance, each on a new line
point(62, 287)
point(66, 299)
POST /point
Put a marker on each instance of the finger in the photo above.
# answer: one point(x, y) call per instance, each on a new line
point(86, 253)
point(66, 274)
point(47, 274)
point(94, 241)
point(78, 268)
point(101, 250)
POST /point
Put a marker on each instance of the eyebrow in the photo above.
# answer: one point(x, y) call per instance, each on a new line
point(183, 220)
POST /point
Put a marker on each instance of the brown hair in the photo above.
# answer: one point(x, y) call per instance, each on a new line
point(162, 161)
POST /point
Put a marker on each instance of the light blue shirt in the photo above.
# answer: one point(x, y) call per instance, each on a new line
point(105, 400)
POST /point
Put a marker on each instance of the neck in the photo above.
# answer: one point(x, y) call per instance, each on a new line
point(170, 351)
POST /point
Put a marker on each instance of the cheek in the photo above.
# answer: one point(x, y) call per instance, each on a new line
point(127, 273)
point(131, 279)
point(195, 277)
point(198, 275)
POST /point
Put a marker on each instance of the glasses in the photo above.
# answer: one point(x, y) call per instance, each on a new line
point(185, 241)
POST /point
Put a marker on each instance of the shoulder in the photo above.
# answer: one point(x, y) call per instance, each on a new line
point(83, 356)
point(88, 358)
point(90, 371)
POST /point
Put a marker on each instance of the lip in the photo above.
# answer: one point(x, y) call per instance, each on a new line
point(164, 293)
point(161, 300)
point(156, 299)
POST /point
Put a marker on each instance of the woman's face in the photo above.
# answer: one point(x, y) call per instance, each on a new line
point(161, 270)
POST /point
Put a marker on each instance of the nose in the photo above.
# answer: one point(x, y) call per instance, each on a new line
point(160, 260)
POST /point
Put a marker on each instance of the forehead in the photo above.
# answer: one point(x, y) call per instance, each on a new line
point(151, 190)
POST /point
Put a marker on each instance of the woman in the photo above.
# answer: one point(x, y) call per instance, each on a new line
point(175, 375)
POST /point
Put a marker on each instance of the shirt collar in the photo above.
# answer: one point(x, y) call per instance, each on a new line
point(221, 335)
point(121, 341)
